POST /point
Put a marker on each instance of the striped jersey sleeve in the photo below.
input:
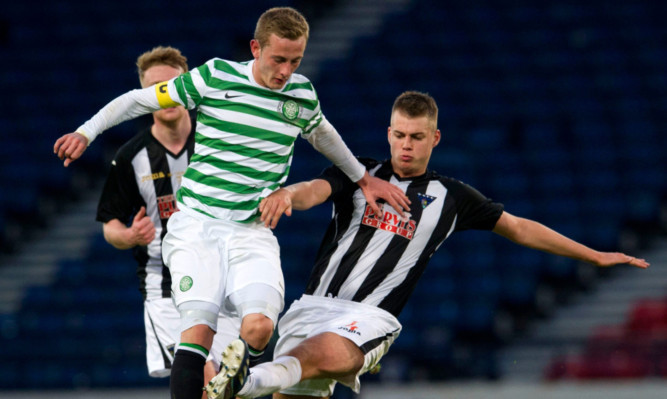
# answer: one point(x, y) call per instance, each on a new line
point(244, 138)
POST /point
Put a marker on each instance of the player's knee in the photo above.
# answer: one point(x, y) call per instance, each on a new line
point(256, 330)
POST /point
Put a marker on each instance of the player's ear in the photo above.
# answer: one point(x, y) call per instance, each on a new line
point(436, 139)
point(255, 48)
point(389, 134)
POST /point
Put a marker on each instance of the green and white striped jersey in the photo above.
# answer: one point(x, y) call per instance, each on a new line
point(244, 138)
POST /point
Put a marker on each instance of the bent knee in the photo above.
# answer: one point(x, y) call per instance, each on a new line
point(257, 330)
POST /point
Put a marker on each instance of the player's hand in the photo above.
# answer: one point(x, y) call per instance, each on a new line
point(142, 230)
point(614, 258)
point(274, 206)
point(375, 188)
point(70, 147)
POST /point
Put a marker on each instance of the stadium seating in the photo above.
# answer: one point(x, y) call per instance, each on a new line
point(635, 349)
point(553, 108)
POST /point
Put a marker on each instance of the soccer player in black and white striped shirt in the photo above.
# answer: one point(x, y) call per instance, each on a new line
point(136, 203)
point(368, 265)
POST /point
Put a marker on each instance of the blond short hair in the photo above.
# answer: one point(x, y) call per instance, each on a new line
point(284, 22)
point(161, 56)
point(415, 104)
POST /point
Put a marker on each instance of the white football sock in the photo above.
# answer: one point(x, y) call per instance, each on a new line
point(270, 377)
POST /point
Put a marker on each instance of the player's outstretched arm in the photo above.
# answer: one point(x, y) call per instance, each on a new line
point(535, 235)
point(127, 106)
point(70, 147)
point(299, 196)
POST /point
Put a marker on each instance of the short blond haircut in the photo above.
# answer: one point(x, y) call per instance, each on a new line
point(161, 56)
point(415, 104)
point(284, 22)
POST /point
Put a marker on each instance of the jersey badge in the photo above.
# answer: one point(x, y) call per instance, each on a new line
point(289, 109)
point(185, 284)
point(425, 200)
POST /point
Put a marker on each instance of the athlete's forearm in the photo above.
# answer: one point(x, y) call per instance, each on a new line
point(326, 140)
point(535, 235)
point(308, 194)
point(125, 107)
point(115, 233)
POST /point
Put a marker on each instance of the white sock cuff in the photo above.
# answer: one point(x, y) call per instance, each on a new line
point(267, 378)
point(292, 365)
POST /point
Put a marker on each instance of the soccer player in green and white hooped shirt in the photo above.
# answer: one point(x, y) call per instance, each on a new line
point(221, 257)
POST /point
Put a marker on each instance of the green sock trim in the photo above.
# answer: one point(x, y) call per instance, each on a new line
point(254, 352)
point(195, 347)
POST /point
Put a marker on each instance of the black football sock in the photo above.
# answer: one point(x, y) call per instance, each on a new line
point(255, 356)
point(187, 372)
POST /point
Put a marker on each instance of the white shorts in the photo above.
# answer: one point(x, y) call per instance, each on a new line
point(209, 259)
point(372, 329)
point(162, 323)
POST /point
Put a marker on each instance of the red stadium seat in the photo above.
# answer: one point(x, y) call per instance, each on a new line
point(613, 366)
point(649, 315)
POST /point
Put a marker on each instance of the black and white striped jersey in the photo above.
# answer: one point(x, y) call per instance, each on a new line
point(378, 261)
point(145, 173)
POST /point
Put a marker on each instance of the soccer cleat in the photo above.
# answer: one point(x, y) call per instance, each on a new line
point(233, 372)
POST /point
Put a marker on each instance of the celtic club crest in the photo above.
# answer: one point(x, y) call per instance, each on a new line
point(185, 284)
point(290, 109)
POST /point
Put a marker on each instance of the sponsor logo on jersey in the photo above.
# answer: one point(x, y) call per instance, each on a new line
point(425, 199)
point(166, 206)
point(229, 96)
point(289, 109)
point(351, 328)
point(185, 284)
point(162, 175)
point(391, 222)
point(155, 176)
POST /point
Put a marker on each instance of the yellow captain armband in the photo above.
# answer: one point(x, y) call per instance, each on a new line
point(163, 96)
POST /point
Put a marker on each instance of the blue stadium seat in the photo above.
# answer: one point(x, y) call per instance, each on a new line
point(476, 317)
point(587, 159)
point(518, 290)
